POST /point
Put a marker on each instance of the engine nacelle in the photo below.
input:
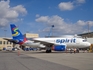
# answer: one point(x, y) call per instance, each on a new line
point(42, 46)
point(59, 48)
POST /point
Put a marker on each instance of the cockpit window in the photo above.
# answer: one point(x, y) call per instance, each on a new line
point(84, 40)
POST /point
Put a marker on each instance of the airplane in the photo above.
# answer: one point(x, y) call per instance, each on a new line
point(57, 44)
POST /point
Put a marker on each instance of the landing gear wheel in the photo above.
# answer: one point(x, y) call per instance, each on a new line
point(22, 47)
point(48, 51)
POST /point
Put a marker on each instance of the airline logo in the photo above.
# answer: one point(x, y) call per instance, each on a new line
point(16, 32)
point(65, 41)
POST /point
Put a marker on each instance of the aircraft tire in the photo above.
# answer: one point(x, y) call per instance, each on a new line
point(48, 51)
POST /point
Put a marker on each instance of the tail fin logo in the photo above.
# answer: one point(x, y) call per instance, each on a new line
point(16, 32)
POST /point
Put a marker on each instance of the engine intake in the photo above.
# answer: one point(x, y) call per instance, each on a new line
point(59, 48)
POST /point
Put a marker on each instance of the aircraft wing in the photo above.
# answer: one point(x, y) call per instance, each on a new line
point(10, 40)
point(45, 42)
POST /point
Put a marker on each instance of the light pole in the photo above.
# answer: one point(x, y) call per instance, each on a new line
point(5, 37)
point(5, 32)
point(51, 32)
point(88, 29)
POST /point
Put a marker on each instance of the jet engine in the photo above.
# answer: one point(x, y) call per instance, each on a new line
point(59, 48)
point(42, 46)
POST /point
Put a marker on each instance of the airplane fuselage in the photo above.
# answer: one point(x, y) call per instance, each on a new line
point(69, 42)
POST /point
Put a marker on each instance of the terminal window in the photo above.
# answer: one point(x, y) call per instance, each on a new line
point(0, 42)
point(10, 42)
point(7, 42)
point(3, 42)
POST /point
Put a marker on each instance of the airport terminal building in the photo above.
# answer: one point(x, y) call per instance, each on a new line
point(31, 35)
point(88, 36)
point(4, 43)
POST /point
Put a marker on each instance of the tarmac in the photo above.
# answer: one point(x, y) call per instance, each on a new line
point(39, 60)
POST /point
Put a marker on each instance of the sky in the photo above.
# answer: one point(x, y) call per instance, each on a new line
point(37, 16)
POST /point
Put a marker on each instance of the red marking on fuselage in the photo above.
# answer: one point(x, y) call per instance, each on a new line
point(23, 41)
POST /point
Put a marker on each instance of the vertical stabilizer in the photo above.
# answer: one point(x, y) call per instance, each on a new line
point(16, 34)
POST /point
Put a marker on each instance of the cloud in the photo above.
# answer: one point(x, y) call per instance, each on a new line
point(50, 20)
point(90, 23)
point(80, 1)
point(84, 23)
point(20, 9)
point(10, 14)
point(63, 27)
point(63, 6)
point(81, 23)
point(37, 15)
point(66, 6)
point(42, 19)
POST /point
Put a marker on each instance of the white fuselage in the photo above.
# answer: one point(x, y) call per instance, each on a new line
point(69, 42)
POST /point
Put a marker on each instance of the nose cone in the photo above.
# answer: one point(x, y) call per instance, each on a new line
point(88, 44)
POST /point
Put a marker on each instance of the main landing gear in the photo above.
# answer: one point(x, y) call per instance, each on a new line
point(48, 49)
